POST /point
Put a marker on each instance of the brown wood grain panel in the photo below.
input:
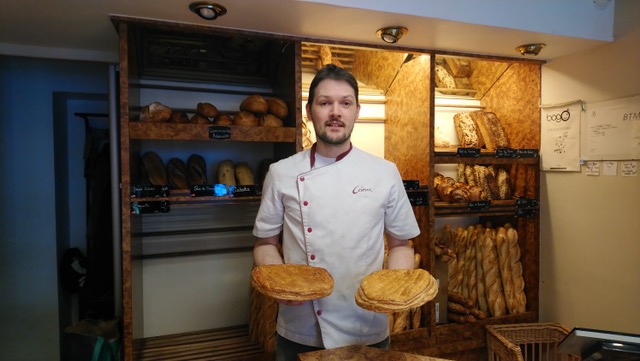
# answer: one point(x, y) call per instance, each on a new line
point(376, 68)
point(176, 131)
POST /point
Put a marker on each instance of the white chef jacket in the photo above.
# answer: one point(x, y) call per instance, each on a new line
point(334, 217)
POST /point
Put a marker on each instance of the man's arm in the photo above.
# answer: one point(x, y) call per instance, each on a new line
point(265, 251)
point(401, 255)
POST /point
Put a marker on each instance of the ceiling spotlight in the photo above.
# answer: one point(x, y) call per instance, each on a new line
point(530, 49)
point(207, 10)
point(391, 34)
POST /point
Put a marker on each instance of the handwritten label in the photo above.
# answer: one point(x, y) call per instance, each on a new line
point(418, 198)
point(219, 132)
point(506, 153)
point(629, 169)
point(527, 153)
point(246, 191)
point(150, 207)
point(411, 184)
point(201, 190)
point(526, 212)
point(149, 191)
point(593, 168)
point(526, 202)
point(479, 205)
point(468, 152)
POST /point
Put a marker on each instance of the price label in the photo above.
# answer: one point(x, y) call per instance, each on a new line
point(202, 190)
point(411, 184)
point(506, 153)
point(149, 191)
point(219, 132)
point(526, 202)
point(150, 207)
point(418, 198)
point(479, 205)
point(246, 191)
point(468, 152)
point(528, 153)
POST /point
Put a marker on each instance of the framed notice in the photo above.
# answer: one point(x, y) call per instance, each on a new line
point(612, 130)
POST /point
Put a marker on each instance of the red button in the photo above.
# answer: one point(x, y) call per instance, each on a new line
point(301, 179)
point(309, 229)
point(313, 256)
point(319, 312)
point(305, 203)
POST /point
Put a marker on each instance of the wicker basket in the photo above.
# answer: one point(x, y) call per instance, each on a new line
point(526, 342)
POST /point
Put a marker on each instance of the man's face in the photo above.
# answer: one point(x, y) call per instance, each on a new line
point(333, 112)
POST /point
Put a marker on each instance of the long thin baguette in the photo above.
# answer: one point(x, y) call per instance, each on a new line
point(493, 283)
point(506, 275)
point(516, 271)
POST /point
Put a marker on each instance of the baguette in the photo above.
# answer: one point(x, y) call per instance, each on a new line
point(482, 296)
point(493, 283)
point(516, 271)
point(506, 275)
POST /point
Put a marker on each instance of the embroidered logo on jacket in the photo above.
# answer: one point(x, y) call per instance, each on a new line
point(359, 189)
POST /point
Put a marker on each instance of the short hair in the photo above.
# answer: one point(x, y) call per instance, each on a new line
point(331, 71)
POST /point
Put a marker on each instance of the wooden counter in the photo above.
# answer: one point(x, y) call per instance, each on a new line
point(362, 353)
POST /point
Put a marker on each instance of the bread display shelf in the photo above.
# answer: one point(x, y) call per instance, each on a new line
point(497, 208)
point(173, 131)
point(450, 156)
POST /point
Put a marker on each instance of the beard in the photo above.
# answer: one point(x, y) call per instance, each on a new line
point(327, 139)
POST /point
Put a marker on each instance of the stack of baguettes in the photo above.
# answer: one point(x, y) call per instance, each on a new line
point(487, 269)
point(292, 282)
point(395, 290)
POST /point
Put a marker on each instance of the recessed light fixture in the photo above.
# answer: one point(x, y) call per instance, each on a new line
point(530, 49)
point(207, 10)
point(391, 34)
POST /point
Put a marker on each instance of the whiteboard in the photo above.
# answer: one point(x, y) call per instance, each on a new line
point(611, 130)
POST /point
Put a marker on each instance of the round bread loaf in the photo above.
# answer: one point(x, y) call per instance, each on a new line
point(245, 118)
point(207, 109)
point(155, 112)
point(255, 104)
point(200, 119)
point(179, 117)
point(270, 120)
point(278, 107)
point(223, 119)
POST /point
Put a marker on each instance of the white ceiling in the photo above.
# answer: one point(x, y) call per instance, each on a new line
point(81, 29)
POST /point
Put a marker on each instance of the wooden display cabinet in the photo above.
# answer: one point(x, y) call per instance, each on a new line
point(175, 58)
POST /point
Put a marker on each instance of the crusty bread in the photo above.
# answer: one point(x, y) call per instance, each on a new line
point(226, 173)
point(459, 67)
point(153, 169)
point(491, 129)
point(244, 174)
point(270, 120)
point(245, 118)
point(207, 110)
point(444, 78)
point(278, 107)
point(492, 281)
point(482, 295)
point(200, 119)
point(504, 184)
point(223, 119)
point(292, 282)
point(196, 170)
point(395, 290)
point(516, 271)
point(506, 275)
point(256, 104)
point(468, 134)
point(177, 173)
point(179, 117)
point(155, 112)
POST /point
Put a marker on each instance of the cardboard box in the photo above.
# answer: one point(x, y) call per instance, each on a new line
point(441, 275)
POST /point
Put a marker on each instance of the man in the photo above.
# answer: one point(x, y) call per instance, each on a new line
point(333, 204)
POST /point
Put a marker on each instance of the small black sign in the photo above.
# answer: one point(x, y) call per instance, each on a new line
point(150, 207)
point(479, 205)
point(526, 212)
point(201, 190)
point(246, 191)
point(526, 202)
point(219, 132)
point(528, 153)
point(468, 152)
point(506, 153)
point(418, 198)
point(411, 184)
point(149, 191)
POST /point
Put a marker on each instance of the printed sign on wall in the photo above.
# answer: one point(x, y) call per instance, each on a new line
point(560, 137)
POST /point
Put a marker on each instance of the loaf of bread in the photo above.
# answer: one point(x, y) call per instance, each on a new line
point(256, 104)
point(153, 169)
point(492, 182)
point(470, 175)
point(492, 280)
point(516, 271)
point(155, 112)
point(207, 110)
point(459, 67)
point(223, 119)
point(196, 170)
point(491, 129)
point(481, 290)
point(244, 174)
point(226, 173)
point(278, 107)
point(506, 275)
point(504, 184)
point(245, 118)
point(270, 120)
point(177, 173)
point(440, 139)
point(200, 119)
point(179, 117)
point(468, 134)
point(471, 273)
point(444, 78)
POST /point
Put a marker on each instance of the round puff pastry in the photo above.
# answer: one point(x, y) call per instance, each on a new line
point(292, 282)
point(394, 290)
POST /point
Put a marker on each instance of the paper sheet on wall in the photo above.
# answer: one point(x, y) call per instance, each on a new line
point(612, 130)
point(560, 137)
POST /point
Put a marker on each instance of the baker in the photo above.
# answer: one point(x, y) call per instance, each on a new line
point(331, 206)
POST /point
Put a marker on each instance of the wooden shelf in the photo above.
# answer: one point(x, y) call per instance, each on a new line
point(229, 344)
point(450, 156)
point(174, 131)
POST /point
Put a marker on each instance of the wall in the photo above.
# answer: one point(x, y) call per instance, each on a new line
point(28, 249)
point(590, 234)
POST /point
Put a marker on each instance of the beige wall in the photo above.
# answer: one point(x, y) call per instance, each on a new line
point(590, 226)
